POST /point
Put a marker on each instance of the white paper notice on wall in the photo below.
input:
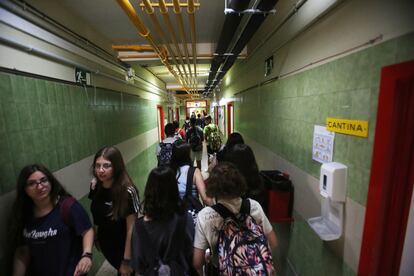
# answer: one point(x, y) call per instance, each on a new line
point(323, 144)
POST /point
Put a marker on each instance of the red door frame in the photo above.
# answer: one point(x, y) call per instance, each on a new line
point(392, 174)
point(177, 114)
point(230, 108)
point(160, 111)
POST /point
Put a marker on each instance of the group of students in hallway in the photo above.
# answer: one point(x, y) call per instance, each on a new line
point(52, 234)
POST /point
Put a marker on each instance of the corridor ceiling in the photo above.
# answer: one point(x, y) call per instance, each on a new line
point(155, 49)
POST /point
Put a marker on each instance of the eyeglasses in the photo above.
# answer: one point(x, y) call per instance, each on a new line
point(104, 166)
point(34, 183)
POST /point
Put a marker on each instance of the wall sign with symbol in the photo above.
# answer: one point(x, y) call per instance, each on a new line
point(82, 76)
point(323, 144)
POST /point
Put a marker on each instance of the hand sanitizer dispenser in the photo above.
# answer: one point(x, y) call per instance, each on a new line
point(333, 180)
point(332, 184)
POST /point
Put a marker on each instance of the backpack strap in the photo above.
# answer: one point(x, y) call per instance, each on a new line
point(245, 206)
point(189, 185)
point(64, 210)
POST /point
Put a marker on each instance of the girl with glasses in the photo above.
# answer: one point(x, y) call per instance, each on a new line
point(114, 207)
point(50, 229)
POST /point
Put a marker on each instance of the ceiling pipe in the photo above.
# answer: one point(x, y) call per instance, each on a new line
point(231, 23)
point(253, 24)
point(150, 11)
point(136, 48)
point(191, 18)
point(179, 18)
point(173, 35)
point(145, 33)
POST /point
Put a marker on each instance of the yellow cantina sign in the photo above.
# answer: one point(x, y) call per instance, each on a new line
point(351, 127)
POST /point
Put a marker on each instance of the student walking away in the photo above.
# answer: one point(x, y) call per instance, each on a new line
point(199, 121)
point(236, 230)
point(164, 148)
point(189, 179)
point(195, 138)
point(114, 207)
point(162, 240)
point(234, 138)
point(242, 156)
point(50, 229)
point(179, 133)
point(213, 138)
point(186, 125)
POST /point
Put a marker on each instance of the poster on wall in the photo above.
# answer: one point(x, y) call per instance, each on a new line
point(323, 143)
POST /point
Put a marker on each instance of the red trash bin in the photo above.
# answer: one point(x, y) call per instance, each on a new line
point(280, 196)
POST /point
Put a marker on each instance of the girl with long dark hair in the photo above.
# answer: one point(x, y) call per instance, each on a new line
point(51, 229)
point(243, 157)
point(234, 138)
point(181, 163)
point(163, 238)
point(115, 206)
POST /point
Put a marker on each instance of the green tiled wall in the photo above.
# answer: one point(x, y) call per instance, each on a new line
point(58, 124)
point(182, 115)
point(289, 108)
point(138, 170)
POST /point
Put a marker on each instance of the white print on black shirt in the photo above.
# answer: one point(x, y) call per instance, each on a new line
point(39, 235)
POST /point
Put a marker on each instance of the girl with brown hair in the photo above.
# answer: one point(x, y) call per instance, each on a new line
point(115, 207)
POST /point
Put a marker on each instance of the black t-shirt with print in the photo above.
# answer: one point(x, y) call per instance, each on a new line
point(111, 233)
point(55, 247)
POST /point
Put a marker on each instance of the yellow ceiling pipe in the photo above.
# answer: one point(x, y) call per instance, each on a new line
point(171, 5)
point(191, 18)
point(173, 35)
point(144, 32)
point(137, 48)
point(177, 11)
point(205, 56)
point(150, 11)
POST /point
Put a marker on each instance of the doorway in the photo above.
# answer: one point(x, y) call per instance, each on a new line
point(392, 174)
point(230, 122)
point(160, 120)
point(177, 114)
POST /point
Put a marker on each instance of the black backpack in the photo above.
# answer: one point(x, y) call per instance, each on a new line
point(164, 253)
point(194, 139)
point(193, 204)
point(164, 158)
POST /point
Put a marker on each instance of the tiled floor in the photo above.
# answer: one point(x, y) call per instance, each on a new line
point(106, 270)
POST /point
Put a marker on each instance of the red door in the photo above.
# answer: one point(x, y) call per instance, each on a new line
point(392, 174)
point(160, 119)
point(230, 122)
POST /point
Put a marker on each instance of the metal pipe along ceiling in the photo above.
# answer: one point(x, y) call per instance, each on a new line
point(166, 17)
point(231, 22)
point(150, 11)
point(191, 18)
point(188, 81)
point(250, 29)
point(179, 18)
point(144, 32)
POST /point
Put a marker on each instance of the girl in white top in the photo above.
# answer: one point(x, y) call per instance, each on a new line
point(180, 163)
point(227, 186)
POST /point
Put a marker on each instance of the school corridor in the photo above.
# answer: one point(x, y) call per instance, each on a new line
point(321, 90)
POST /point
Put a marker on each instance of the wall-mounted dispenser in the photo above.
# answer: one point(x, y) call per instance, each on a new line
point(332, 184)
